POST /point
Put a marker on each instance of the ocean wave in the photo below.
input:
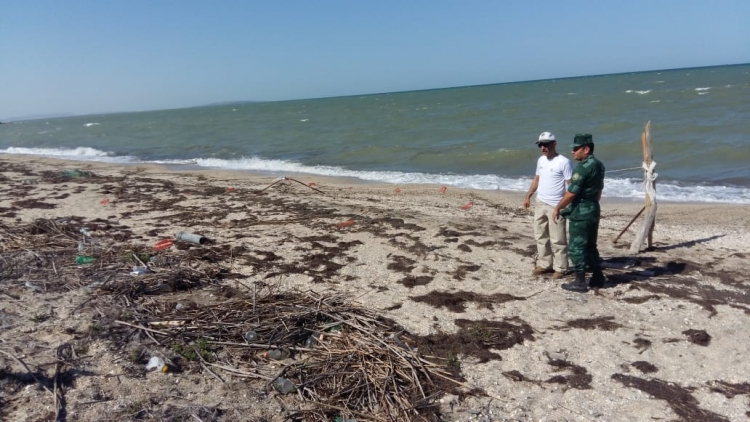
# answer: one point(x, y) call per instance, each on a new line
point(91, 124)
point(79, 152)
point(614, 187)
point(631, 91)
point(703, 89)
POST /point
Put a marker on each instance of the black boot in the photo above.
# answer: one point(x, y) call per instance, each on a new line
point(579, 285)
point(597, 279)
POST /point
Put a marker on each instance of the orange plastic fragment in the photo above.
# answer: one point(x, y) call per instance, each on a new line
point(311, 184)
point(163, 244)
point(397, 190)
point(230, 190)
point(346, 223)
point(104, 201)
point(467, 206)
point(443, 189)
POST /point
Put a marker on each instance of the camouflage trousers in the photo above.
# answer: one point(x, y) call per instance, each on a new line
point(582, 235)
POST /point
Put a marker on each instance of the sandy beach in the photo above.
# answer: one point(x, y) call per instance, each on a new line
point(664, 340)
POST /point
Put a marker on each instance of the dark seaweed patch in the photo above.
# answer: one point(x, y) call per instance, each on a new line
point(600, 323)
point(456, 302)
point(699, 337)
point(728, 389)
point(578, 377)
point(476, 338)
point(644, 367)
point(413, 281)
point(678, 398)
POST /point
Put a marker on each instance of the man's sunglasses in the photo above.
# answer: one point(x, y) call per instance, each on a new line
point(545, 144)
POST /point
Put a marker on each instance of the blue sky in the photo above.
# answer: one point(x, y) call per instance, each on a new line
point(84, 57)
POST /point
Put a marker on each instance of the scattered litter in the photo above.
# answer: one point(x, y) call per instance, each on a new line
point(397, 190)
point(83, 259)
point(443, 189)
point(179, 307)
point(77, 173)
point(347, 223)
point(277, 354)
point(467, 206)
point(251, 335)
point(163, 244)
point(156, 363)
point(32, 286)
point(104, 201)
point(283, 385)
point(140, 270)
point(191, 237)
point(230, 190)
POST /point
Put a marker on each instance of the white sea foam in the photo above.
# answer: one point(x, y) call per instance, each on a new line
point(703, 89)
point(91, 124)
point(631, 91)
point(614, 188)
point(655, 101)
point(79, 154)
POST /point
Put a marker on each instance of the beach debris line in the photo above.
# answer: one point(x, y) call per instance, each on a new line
point(284, 179)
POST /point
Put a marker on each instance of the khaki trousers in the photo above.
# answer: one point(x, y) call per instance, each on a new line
point(551, 239)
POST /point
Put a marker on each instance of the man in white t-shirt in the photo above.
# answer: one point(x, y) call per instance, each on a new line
point(553, 172)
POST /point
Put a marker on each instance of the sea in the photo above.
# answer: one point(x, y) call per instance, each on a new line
point(479, 137)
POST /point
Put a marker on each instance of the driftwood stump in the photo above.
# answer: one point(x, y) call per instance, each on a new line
point(649, 177)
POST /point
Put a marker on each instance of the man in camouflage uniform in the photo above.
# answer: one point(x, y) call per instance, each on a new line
point(580, 205)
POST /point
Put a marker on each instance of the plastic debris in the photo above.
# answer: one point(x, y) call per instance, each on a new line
point(156, 363)
point(283, 385)
point(347, 223)
point(163, 244)
point(467, 206)
point(83, 259)
point(310, 341)
point(32, 286)
point(140, 270)
point(277, 354)
point(77, 173)
point(251, 335)
point(191, 237)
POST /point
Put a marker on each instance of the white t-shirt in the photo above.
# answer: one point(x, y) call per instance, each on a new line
point(552, 176)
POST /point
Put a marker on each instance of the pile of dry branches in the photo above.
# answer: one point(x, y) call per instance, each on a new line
point(326, 356)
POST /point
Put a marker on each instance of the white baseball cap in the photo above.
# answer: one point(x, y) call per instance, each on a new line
point(547, 136)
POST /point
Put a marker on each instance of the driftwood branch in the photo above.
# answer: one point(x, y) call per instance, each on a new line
point(649, 176)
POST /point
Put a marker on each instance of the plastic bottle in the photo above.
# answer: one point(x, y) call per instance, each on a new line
point(310, 341)
point(251, 335)
point(191, 237)
point(283, 385)
point(82, 259)
point(277, 354)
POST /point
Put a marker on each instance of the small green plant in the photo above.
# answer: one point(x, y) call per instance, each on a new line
point(481, 332)
point(195, 350)
point(453, 363)
point(40, 317)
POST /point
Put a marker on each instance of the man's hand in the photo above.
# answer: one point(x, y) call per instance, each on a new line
point(527, 202)
point(555, 215)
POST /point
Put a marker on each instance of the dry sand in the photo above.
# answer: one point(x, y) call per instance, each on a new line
point(663, 341)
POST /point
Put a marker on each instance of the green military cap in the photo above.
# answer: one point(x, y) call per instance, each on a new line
point(582, 139)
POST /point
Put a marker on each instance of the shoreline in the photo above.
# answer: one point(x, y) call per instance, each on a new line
point(333, 180)
point(454, 266)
